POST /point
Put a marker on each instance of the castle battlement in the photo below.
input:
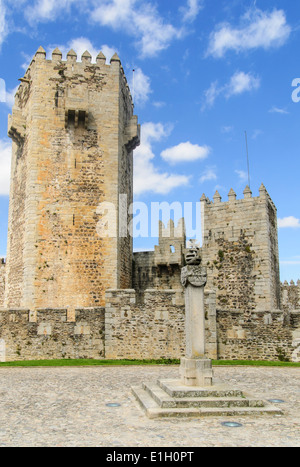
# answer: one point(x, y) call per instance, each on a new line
point(47, 333)
point(171, 243)
point(232, 198)
point(240, 247)
point(290, 293)
point(72, 66)
point(70, 291)
point(250, 217)
point(73, 132)
point(161, 268)
point(292, 283)
point(67, 75)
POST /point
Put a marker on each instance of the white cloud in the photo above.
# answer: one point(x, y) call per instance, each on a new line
point(159, 104)
point(147, 178)
point(3, 25)
point(185, 152)
point(288, 222)
point(208, 175)
point(10, 97)
point(227, 129)
point(5, 162)
point(137, 18)
point(27, 59)
point(140, 20)
point(48, 10)
point(2, 90)
point(141, 87)
point(243, 176)
point(259, 29)
point(239, 83)
point(211, 94)
point(191, 10)
point(278, 110)
point(256, 134)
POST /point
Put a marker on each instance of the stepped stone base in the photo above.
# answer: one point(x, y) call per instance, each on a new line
point(196, 372)
point(169, 398)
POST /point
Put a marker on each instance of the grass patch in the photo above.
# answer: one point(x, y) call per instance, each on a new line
point(254, 363)
point(88, 362)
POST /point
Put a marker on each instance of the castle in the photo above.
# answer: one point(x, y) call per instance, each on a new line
point(68, 292)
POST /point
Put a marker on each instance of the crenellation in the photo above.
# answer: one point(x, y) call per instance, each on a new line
point(68, 292)
point(101, 59)
point(217, 198)
point(72, 65)
point(79, 134)
point(290, 293)
point(160, 269)
point(57, 55)
point(247, 192)
point(71, 56)
point(51, 336)
point(242, 228)
point(231, 196)
point(86, 58)
point(153, 329)
point(40, 53)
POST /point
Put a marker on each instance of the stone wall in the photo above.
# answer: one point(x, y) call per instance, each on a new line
point(73, 133)
point(259, 336)
point(2, 281)
point(240, 251)
point(47, 334)
point(125, 329)
point(154, 329)
point(290, 294)
point(161, 268)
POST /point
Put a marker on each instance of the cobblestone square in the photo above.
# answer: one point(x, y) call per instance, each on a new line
point(67, 407)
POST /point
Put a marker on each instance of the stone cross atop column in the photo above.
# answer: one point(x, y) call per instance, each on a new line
point(195, 369)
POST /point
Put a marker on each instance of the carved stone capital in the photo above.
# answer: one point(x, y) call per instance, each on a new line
point(194, 275)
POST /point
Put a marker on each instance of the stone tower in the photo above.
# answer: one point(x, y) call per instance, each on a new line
point(73, 133)
point(161, 268)
point(240, 250)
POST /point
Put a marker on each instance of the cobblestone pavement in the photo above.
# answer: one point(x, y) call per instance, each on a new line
point(67, 407)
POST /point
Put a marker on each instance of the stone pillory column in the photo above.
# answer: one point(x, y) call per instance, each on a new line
point(195, 369)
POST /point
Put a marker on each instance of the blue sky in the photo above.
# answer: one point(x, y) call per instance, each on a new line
point(206, 71)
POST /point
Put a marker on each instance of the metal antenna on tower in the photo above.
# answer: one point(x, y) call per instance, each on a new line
point(247, 159)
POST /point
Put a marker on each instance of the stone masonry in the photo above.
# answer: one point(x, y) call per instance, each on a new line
point(161, 268)
point(73, 134)
point(150, 324)
point(290, 294)
point(240, 250)
point(2, 281)
point(47, 334)
point(68, 292)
